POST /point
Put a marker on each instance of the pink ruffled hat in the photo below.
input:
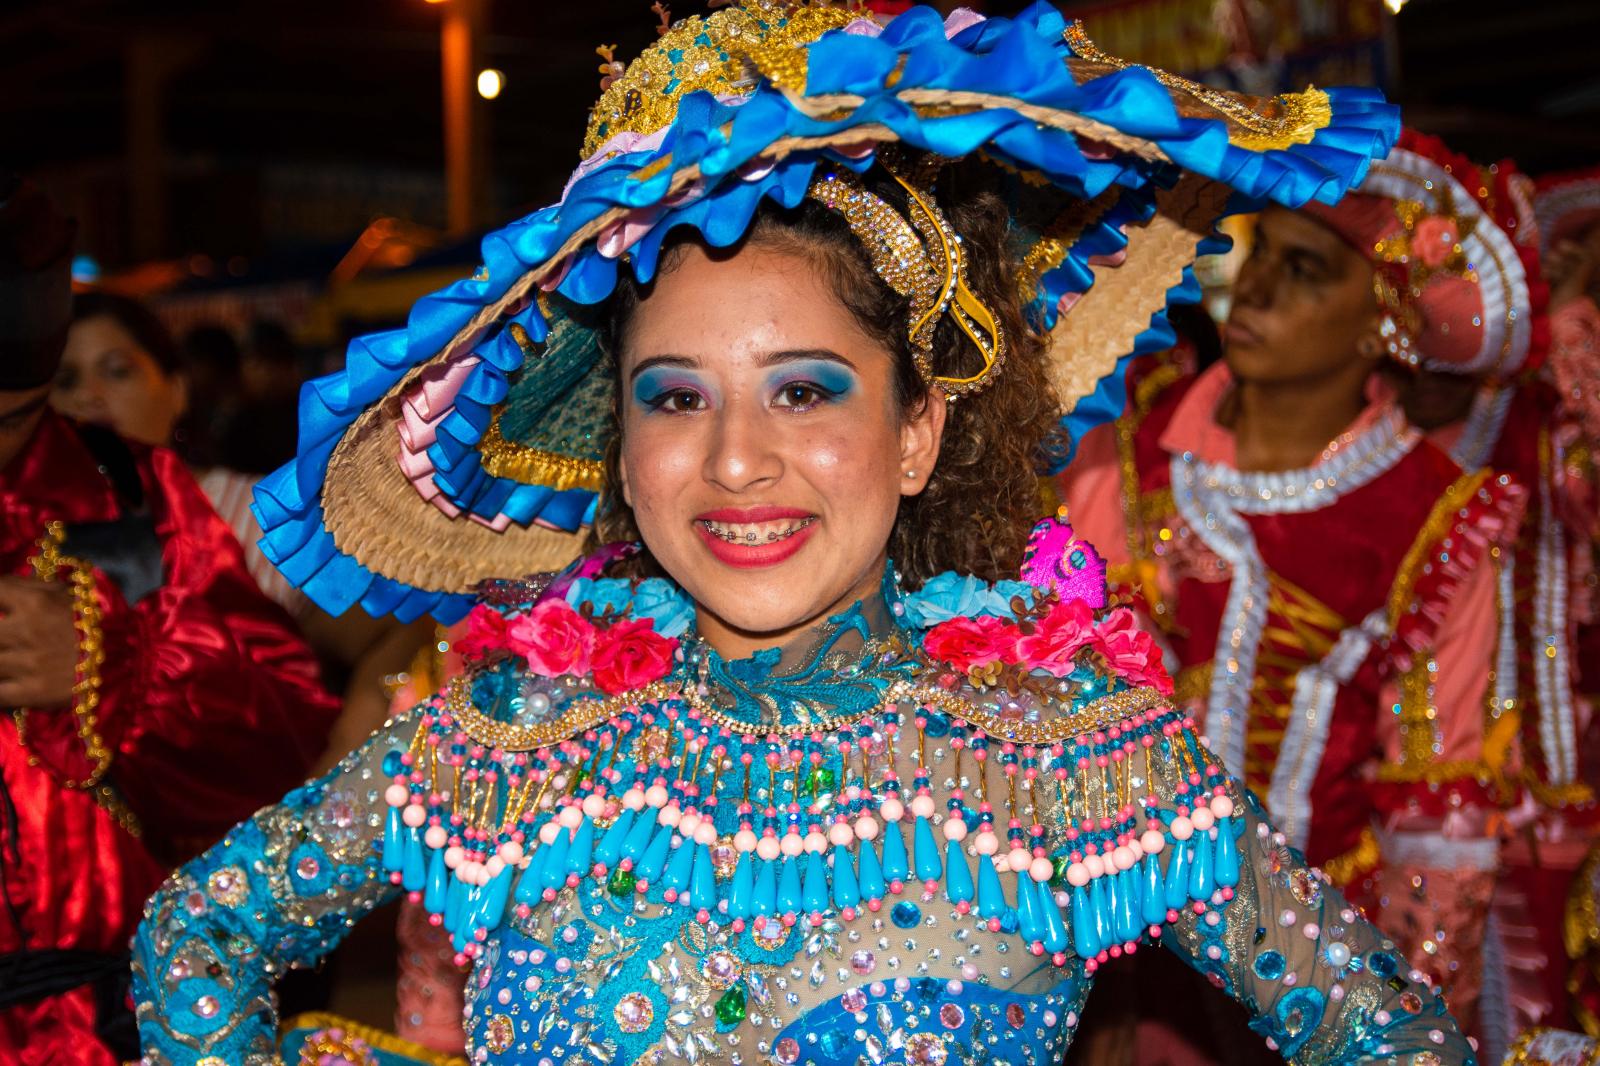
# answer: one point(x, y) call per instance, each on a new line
point(1457, 254)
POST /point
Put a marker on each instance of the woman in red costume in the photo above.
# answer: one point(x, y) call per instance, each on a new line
point(154, 694)
point(1328, 580)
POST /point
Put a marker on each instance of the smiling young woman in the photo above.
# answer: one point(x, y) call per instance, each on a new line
point(790, 766)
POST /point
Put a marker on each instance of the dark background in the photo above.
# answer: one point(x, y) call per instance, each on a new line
point(286, 125)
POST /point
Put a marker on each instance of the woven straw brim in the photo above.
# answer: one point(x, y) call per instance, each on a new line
point(376, 516)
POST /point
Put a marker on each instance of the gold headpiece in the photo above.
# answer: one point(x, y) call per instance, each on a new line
point(921, 259)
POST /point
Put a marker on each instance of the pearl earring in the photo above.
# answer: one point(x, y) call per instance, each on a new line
point(911, 473)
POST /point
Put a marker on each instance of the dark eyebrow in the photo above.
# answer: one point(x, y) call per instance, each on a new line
point(680, 361)
point(795, 355)
point(767, 359)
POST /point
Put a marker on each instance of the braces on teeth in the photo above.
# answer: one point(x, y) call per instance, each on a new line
point(752, 537)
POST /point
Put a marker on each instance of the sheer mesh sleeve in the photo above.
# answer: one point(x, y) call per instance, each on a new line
point(1321, 983)
point(279, 891)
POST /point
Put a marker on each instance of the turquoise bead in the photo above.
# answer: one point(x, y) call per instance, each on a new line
point(1177, 892)
point(789, 894)
point(1055, 929)
point(1153, 905)
point(895, 867)
point(609, 850)
point(1100, 911)
point(991, 894)
point(494, 903)
point(393, 841)
point(454, 897)
point(927, 852)
point(846, 892)
point(815, 893)
point(871, 874)
point(744, 886)
point(413, 874)
point(1127, 912)
point(703, 885)
point(1029, 920)
point(958, 887)
point(1227, 870)
point(554, 874)
point(530, 885)
point(1083, 938)
point(1201, 882)
point(766, 899)
point(581, 857)
point(679, 867)
point(638, 839)
point(649, 867)
point(438, 883)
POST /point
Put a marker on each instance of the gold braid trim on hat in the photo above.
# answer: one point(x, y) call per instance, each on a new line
point(921, 259)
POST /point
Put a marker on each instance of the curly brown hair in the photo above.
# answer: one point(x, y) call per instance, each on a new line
point(983, 498)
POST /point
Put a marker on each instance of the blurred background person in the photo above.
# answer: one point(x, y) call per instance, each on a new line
point(154, 696)
point(121, 369)
point(1324, 576)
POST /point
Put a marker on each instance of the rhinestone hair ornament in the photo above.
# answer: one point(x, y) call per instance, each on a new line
point(922, 259)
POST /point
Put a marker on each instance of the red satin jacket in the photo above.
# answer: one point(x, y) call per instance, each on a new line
point(210, 704)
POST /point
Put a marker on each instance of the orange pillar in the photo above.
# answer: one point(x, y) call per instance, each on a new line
point(463, 127)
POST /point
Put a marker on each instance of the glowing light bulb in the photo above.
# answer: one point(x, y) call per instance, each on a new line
point(490, 82)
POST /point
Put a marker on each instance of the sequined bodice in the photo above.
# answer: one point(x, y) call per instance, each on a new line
point(858, 855)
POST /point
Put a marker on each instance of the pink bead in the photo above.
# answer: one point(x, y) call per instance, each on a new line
point(988, 844)
point(1182, 828)
point(633, 799)
point(892, 810)
point(570, 817)
point(1077, 875)
point(1041, 869)
point(705, 834)
point(689, 823)
point(454, 857)
point(816, 842)
point(669, 816)
point(548, 832)
point(396, 795)
point(840, 835)
point(1203, 819)
point(922, 806)
point(1095, 865)
point(510, 853)
point(436, 837)
point(414, 816)
point(791, 844)
point(745, 840)
point(1123, 858)
point(594, 805)
point(866, 828)
point(656, 795)
point(1152, 842)
point(1222, 806)
point(955, 829)
point(1018, 860)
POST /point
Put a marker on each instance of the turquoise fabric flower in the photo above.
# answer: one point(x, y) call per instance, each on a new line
point(665, 604)
point(951, 595)
point(606, 594)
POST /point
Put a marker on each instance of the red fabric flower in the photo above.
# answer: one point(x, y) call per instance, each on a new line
point(630, 654)
point(554, 638)
point(1130, 652)
point(968, 642)
point(484, 632)
point(1057, 638)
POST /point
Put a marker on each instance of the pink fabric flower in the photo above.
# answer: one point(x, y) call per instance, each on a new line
point(554, 638)
point(1057, 638)
point(630, 654)
point(1435, 239)
point(484, 633)
point(1130, 652)
point(968, 642)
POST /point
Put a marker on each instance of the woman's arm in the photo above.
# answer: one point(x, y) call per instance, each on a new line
point(280, 890)
point(1321, 983)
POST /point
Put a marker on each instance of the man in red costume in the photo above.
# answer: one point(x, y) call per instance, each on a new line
point(154, 695)
point(1327, 580)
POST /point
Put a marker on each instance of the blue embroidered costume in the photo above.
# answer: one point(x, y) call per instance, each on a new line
point(580, 950)
point(842, 850)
